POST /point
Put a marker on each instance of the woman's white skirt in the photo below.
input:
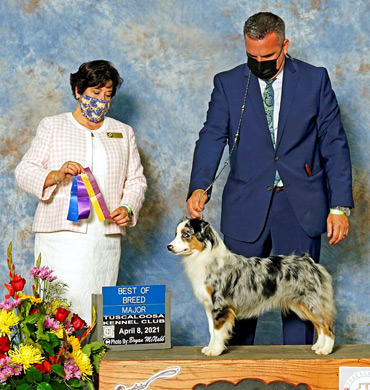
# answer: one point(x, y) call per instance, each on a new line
point(85, 262)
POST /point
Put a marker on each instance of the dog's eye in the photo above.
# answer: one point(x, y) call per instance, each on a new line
point(185, 235)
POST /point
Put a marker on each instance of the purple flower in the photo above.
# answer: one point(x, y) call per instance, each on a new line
point(69, 328)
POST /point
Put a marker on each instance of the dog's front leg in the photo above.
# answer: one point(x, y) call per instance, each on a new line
point(211, 329)
point(222, 323)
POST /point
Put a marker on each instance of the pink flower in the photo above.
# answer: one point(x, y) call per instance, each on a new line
point(8, 369)
point(17, 369)
point(16, 302)
point(34, 271)
point(71, 369)
point(6, 305)
point(50, 323)
point(43, 273)
point(4, 361)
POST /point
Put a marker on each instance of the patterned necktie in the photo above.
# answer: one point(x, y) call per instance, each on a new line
point(268, 104)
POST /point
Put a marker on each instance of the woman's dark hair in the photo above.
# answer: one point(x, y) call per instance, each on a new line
point(95, 74)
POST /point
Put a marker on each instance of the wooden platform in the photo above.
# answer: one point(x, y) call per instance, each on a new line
point(290, 364)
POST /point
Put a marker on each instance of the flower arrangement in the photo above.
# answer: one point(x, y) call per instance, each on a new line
point(43, 346)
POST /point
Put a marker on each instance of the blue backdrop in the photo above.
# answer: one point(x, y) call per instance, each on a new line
point(168, 52)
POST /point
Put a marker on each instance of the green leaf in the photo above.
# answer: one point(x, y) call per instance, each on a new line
point(96, 357)
point(47, 347)
point(32, 319)
point(24, 386)
point(40, 329)
point(58, 369)
point(33, 375)
point(54, 341)
point(44, 386)
point(58, 386)
point(90, 385)
point(74, 383)
point(94, 347)
point(87, 349)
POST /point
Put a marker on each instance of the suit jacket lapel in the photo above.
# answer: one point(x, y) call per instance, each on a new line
point(289, 86)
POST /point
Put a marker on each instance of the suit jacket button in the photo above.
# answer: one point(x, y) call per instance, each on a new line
point(268, 188)
point(276, 158)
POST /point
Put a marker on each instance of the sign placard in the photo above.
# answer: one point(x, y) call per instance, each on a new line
point(354, 378)
point(133, 317)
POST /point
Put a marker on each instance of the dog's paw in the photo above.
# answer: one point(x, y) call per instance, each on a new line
point(212, 351)
point(327, 347)
point(316, 346)
point(323, 351)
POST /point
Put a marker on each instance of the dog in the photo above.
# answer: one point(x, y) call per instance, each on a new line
point(231, 286)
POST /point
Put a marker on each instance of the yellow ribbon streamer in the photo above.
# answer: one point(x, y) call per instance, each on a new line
point(92, 197)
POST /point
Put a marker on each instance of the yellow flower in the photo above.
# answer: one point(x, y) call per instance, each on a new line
point(83, 363)
point(58, 333)
point(75, 343)
point(26, 355)
point(33, 299)
point(7, 319)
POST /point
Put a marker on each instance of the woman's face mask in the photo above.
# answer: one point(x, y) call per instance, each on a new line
point(93, 109)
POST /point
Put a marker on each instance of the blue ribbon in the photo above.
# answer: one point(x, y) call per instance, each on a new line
point(79, 204)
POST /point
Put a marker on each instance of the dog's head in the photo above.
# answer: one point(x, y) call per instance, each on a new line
point(192, 236)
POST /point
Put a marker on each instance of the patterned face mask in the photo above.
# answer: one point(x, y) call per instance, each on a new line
point(94, 109)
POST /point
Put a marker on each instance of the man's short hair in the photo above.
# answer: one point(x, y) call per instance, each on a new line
point(263, 23)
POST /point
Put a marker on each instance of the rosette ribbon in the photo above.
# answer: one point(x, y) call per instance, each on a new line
point(85, 189)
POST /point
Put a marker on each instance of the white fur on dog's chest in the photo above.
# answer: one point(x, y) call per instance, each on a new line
point(197, 276)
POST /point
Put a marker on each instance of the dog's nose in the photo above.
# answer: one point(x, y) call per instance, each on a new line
point(170, 247)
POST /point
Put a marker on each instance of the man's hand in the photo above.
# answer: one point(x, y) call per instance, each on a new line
point(196, 203)
point(337, 227)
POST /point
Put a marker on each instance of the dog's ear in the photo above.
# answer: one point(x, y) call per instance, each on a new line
point(199, 227)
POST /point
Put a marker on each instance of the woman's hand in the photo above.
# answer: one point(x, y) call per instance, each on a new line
point(120, 217)
point(67, 170)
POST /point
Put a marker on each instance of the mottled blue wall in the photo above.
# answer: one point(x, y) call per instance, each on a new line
point(168, 51)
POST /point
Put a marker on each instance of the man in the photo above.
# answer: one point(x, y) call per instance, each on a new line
point(290, 171)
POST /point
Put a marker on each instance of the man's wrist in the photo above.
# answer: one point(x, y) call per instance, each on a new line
point(340, 210)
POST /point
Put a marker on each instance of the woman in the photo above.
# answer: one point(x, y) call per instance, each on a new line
point(84, 254)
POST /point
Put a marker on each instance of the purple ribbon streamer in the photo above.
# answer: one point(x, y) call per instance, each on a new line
point(97, 192)
point(83, 200)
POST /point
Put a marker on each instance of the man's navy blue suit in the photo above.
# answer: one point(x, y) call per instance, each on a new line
point(310, 132)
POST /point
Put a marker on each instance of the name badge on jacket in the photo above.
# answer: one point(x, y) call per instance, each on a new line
point(114, 135)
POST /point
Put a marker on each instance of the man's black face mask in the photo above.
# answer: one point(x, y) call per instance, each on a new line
point(264, 70)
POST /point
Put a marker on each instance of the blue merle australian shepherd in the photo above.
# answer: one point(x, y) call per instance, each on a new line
point(230, 286)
